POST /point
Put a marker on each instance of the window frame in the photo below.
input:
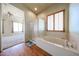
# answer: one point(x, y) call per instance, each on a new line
point(46, 26)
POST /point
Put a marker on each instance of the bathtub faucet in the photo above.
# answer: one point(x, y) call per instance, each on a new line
point(68, 44)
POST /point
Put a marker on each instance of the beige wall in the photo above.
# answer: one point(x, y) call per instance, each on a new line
point(52, 9)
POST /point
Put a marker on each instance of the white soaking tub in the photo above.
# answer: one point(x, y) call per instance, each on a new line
point(55, 47)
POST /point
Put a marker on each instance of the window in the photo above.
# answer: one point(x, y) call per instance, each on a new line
point(20, 27)
point(50, 22)
point(55, 21)
point(17, 27)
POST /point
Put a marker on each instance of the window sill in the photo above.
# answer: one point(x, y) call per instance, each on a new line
point(54, 31)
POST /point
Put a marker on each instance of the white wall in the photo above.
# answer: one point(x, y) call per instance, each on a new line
point(73, 25)
point(0, 27)
point(52, 9)
point(29, 24)
point(30, 19)
point(11, 39)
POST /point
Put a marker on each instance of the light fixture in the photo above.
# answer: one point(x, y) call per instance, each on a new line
point(35, 9)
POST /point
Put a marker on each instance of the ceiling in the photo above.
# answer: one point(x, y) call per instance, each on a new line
point(40, 6)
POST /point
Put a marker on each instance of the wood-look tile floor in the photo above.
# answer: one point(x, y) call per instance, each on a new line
point(24, 50)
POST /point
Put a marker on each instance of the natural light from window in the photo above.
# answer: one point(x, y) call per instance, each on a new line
point(55, 22)
point(17, 27)
point(50, 22)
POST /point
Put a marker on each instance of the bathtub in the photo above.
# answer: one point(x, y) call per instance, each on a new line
point(55, 47)
point(55, 40)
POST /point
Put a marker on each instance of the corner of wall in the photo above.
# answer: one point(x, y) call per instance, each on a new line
point(0, 26)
